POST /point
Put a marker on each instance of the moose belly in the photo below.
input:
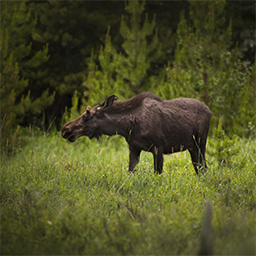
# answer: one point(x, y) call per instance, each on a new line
point(175, 148)
point(177, 144)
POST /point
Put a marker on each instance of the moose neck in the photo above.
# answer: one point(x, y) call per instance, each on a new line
point(116, 124)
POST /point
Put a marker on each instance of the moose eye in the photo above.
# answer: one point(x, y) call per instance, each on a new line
point(84, 118)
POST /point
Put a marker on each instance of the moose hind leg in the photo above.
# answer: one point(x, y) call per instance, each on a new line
point(201, 146)
point(202, 157)
point(133, 159)
point(194, 157)
point(158, 160)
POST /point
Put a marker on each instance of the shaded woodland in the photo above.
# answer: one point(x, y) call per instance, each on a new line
point(51, 50)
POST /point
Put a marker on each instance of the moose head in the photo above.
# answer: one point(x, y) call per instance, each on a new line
point(88, 124)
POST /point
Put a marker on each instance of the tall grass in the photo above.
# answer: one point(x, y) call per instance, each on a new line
point(78, 198)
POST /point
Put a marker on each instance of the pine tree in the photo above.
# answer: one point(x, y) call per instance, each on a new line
point(127, 73)
point(203, 51)
point(203, 45)
point(17, 25)
point(245, 122)
point(102, 79)
point(71, 29)
point(140, 48)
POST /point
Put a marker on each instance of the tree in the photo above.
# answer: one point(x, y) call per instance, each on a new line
point(245, 122)
point(203, 52)
point(140, 48)
point(204, 43)
point(71, 29)
point(17, 58)
point(102, 79)
point(124, 73)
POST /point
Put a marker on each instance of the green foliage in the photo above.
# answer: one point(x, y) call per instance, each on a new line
point(244, 124)
point(70, 29)
point(125, 73)
point(223, 147)
point(227, 101)
point(57, 28)
point(74, 111)
point(206, 69)
point(17, 58)
point(140, 48)
point(202, 45)
point(104, 82)
point(60, 198)
point(46, 48)
point(174, 82)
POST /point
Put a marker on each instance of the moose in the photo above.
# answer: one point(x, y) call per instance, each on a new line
point(148, 123)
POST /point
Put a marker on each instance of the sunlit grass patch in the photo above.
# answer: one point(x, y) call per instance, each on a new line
point(63, 198)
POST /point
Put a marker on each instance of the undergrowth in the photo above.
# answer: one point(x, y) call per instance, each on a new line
point(62, 198)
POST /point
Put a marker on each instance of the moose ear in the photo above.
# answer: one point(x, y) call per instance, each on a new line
point(88, 110)
point(107, 103)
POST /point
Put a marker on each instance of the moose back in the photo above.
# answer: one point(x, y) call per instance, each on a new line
point(148, 123)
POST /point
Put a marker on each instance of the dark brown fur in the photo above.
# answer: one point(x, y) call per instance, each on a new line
point(148, 123)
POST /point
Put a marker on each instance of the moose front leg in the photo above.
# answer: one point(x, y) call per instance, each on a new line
point(133, 159)
point(158, 160)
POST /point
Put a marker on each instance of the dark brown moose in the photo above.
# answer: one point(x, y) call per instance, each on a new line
point(148, 123)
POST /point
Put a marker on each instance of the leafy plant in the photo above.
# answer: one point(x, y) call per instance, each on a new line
point(124, 73)
point(140, 48)
point(62, 198)
point(74, 111)
point(102, 80)
point(222, 146)
point(17, 57)
point(204, 68)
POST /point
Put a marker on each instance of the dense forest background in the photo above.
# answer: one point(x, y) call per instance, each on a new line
point(53, 51)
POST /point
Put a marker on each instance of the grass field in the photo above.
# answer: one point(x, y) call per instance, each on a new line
point(62, 198)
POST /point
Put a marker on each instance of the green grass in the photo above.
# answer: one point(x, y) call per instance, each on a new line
point(62, 198)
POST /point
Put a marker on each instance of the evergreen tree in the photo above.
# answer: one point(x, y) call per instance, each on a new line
point(174, 82)
point(127, 73)
point(102, 79)
point(245, 122)
point(17, 26)
point(203, 45)
point(213, 72)
point(140, 48)
point(71, 29)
